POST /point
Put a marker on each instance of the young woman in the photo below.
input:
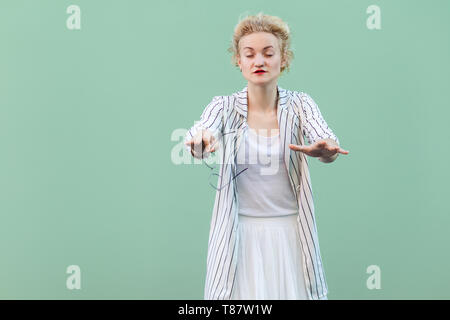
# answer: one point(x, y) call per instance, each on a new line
point(263, 241)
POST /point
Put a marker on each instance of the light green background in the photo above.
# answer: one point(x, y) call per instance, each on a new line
point(86, 118)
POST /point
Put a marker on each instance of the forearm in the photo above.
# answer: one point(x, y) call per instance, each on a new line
point(333, 157)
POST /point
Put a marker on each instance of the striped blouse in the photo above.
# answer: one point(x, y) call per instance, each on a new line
point(226, 118)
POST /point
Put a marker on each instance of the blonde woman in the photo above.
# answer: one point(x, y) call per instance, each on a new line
point(263, 241)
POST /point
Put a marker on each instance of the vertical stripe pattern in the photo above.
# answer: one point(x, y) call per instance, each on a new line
point(226, 117)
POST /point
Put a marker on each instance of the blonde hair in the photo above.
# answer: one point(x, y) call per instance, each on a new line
point(263, 23)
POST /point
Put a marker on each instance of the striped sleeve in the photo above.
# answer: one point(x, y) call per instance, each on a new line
point(314, 125)
point(211, 119)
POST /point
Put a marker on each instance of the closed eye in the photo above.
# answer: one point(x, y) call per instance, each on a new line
point(269, 55)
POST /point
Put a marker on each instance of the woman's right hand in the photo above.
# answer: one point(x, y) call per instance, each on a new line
point(203, 141)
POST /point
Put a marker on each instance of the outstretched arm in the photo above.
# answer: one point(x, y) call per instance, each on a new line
point(326, 150)
point(323, 143)
point(210, 123)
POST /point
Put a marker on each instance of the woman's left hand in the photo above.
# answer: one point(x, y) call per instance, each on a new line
point(321, 148)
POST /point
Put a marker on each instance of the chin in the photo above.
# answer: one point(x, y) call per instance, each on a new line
point(261, 81)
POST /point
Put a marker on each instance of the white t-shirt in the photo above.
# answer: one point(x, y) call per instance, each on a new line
point(263, 187)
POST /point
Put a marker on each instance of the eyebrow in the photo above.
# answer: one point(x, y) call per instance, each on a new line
point(263, 48)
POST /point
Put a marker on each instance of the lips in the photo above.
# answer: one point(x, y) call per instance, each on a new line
point(260, 71)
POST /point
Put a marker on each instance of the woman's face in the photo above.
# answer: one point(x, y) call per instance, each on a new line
point(260, 50)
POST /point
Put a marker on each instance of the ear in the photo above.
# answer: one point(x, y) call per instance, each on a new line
point(283, 61)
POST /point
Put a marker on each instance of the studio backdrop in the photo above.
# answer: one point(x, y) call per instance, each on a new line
point(99, 199)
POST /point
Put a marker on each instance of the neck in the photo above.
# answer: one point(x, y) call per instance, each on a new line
point(262, 98)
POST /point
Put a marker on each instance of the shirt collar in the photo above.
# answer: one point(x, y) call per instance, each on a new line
point(241, 100)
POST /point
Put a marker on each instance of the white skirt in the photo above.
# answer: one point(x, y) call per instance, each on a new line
point(269, 265)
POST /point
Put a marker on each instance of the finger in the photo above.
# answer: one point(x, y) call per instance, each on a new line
point(209, 140)
point(211, 148)
point(214, 146)
point(330, 149)
point(297, 147)
point(197, 144)
point(343, 151)
point(206, 136)
point(197, 139)
point(335, 149)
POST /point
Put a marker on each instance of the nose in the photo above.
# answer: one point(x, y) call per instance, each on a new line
point(259, 61)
